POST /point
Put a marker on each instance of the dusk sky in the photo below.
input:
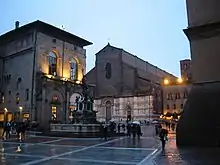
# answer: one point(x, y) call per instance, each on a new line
point(149, 29)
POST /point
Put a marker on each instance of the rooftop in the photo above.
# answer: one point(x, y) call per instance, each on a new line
point(47, 29)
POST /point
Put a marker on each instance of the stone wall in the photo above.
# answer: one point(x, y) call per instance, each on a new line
point(18, 71)
point(202, 12)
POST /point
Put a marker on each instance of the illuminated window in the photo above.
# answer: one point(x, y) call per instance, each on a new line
point(73, 69)
point(17, 98)
point(27, 94)
point(2, 98)
point(169, 96)
point(181, 106)
point(52, 63)
point(185, 95)
point(177, 95)
point(54, 113)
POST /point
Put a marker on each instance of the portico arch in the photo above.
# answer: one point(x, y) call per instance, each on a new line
point(55, 103)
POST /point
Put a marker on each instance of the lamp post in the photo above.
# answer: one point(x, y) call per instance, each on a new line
point(6, 111)
point(20, 110)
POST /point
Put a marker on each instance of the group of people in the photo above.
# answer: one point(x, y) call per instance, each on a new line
point(133, 130)
point(16, 128)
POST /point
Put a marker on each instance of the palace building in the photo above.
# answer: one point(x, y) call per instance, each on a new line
point(41, 68)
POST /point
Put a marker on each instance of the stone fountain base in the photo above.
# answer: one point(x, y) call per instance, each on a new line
point(74, 130)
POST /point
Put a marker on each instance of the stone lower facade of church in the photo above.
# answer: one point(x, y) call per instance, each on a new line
point(124, 109)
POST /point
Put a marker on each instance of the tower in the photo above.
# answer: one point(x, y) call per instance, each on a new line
point(199, 124)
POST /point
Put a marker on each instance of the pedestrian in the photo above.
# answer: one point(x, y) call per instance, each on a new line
point(105, 132)
point(119, 127)
point(129, 129)
point(163, 137)
point(139, 132)
point(133, 130)
point(156, 129)
point(101, 130)
point(123, 127)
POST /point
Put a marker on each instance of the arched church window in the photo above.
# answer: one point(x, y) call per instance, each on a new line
point(17, 98)
point(27, 94)
point(108, 70)
point(18, 83)
point(52, 63)
point(73, 69)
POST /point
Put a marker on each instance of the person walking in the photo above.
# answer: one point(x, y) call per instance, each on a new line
point(163, 137)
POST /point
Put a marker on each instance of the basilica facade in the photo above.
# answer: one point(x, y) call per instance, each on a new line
point(41, 69)
point(126, 87)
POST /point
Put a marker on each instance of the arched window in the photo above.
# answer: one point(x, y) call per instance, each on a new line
point(27, 94)
point(185, 95)
point(52, 63)
point(17, 99)
point(18, 83)
point(73, 69)
point(108, 70)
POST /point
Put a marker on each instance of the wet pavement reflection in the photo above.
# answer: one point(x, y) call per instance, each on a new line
point(122, 150)
point(187, 156)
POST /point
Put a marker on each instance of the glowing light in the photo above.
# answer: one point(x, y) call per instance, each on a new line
point(78, 82)
point(166, 81)
point(6, 110)
point(49, 76)
point(180, 80)
point(64, 79)
point(21, 108)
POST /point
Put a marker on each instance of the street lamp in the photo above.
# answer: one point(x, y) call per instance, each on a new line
point(6, 110)
point(20, 108)
point(180, 80)
point(166, 81)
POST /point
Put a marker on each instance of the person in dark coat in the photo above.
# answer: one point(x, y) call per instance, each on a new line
point(101, 129)
point(134, 130)
point(139, 133)
point(163, 137)
point(129, 129)
point(105, 132)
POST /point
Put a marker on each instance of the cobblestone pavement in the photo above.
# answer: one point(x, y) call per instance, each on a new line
point(37, 150)
point(174, 156)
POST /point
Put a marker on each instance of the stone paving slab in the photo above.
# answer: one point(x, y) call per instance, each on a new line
point(78, 162)
point(76, 142)
point(135, 143)
point(15, 159)
point(187, 156)
point(66, 151)
point(40, 150)
point(34, 139)
point(125, 155)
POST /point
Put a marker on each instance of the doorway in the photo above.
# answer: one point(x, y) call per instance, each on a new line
point(54, 112)
point(108, 111)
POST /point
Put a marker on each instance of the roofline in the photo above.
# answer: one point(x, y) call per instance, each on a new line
point(185, 60)
point(120, 49)
point(47, 29)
